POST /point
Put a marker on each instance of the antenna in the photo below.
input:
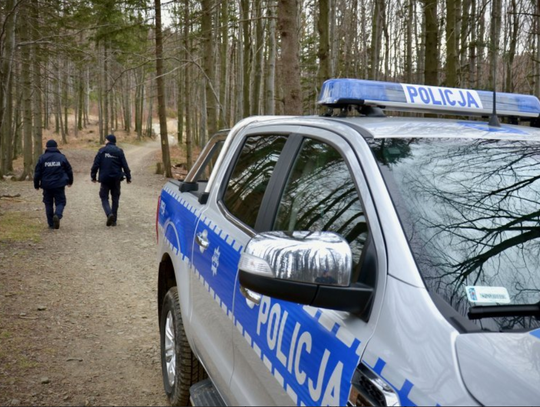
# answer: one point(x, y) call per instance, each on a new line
point(493, 118)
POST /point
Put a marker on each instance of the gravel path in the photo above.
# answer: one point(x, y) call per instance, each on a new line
point(78, 324)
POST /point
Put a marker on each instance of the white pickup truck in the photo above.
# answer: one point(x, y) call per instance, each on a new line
point(357, 259)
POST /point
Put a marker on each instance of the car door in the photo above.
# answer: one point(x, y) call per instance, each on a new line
point(287, 353)
point(224, 227)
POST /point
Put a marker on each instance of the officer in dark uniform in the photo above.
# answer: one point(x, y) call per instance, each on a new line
point(111, 163)
point(52, 173)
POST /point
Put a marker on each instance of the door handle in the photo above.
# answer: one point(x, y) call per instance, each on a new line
point(202, 240)
point(251, 297)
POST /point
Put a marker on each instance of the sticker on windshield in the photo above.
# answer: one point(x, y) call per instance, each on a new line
point(487, 295)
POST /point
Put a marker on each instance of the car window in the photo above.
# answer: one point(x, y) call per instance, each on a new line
point(203, 174)
point(470, 210)
point(250, 177)
point(321, 195)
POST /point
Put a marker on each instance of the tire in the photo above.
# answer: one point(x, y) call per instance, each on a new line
point(180, 368)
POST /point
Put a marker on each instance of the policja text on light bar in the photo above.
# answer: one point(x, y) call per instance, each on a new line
point(423, 98)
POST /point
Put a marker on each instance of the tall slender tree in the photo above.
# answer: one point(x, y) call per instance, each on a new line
point(452, 33)
point(26, 88)
point(269, 99)
point(323, 27)
point(207, 35)
point(7, 50)
point(165, 153)
point(245, 56)
point(288, 24)
point(431, 73)
point(494, 42)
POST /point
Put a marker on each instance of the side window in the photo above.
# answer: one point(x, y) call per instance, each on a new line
point(210, 161)
point(204, 165)
point(320, 195)
point(197, 178)
point(250, 177)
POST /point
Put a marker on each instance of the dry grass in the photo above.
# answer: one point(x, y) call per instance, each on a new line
point(19, 227)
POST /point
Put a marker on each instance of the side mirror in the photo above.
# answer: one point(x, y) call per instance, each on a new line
point(310, 268)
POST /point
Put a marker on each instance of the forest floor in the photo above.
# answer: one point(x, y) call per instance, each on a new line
point(78, 319)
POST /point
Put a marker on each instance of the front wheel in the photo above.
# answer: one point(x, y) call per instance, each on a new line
point(179, 366)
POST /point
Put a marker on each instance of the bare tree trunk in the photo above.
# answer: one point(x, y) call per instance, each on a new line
point(182, 56)
point(80, 101)
point(480, 45)
point(376, 35)
point(288, 22)
point(203, 129)
point(87, 98)
point(26, 75)
point(186, 96)
point(149, 118)
point(224, 117)
point(451, 43)
point(106, 123)
point(471, 79)
point(127, 105)
point(511, 54)
point(365, 55)
point(189, 137)
point(8, 136)
point(257, 59)
point(323, 27)
point(409, 41)
point(65, 98)
point(384, 23)
point(269, 103)
point(139, 102)
point(494, 42)
point(100, 105)
point(17, 126)
point(431, 43)
point(246, 55)
point(209, 66)
point(37, 83)
point(7, 49)
point(165, 154)
point(58, 126)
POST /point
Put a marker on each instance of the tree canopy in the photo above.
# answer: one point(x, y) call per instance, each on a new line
point(224, 60)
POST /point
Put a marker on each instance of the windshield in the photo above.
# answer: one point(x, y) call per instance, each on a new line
point(471, 210)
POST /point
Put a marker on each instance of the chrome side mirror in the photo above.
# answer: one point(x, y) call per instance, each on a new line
point(305, 257)
point(310, 268)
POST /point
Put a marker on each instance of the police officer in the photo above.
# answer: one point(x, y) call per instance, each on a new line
point(111, 163)
point(52, 173)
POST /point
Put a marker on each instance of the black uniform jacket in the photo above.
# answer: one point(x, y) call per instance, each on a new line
point(111, 163)
point(52, 170)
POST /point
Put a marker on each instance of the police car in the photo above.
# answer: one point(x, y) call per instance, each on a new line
point(355, 258)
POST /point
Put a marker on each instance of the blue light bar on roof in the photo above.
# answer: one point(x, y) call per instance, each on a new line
point(402, 96)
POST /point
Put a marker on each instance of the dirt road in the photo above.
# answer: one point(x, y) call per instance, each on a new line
point(78, 322)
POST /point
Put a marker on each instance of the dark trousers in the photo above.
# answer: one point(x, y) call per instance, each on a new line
point(111, 187)
point(55, 202)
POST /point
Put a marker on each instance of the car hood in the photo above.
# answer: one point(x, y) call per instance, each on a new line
point(501, 368)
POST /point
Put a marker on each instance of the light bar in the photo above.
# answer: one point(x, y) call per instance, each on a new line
point(402, 96)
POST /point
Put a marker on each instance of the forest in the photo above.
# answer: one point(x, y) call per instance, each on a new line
point(210, 63)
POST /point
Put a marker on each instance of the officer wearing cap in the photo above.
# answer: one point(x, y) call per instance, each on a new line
point(111, 163)
point(52, 173)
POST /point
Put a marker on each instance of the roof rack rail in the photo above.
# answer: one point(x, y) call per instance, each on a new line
point(345, 94)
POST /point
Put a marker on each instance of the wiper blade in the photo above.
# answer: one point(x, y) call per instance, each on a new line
point(493, 311)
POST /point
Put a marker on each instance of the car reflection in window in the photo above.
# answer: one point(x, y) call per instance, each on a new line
point(471, 212)
point(321, 196)
point(248, 182)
